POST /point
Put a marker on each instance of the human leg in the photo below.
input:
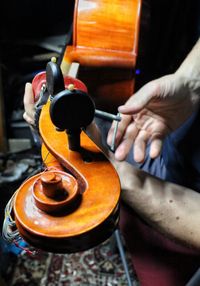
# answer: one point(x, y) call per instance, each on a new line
point(157, 260)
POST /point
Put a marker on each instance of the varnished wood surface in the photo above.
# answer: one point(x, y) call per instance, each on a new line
point(96, 214)
point(105, 43)
point(105, 40)
point(105, 33)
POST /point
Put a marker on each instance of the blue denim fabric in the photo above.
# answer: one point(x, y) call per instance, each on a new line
point(179, 161)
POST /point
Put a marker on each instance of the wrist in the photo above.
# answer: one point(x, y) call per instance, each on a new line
point(190, 82)
point(189, 70)
point(188, 87)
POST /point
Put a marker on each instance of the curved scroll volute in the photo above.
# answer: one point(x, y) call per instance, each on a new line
point(88, 212)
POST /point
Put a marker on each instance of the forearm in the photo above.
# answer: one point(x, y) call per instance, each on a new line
point(169, 208)
point(190, 68)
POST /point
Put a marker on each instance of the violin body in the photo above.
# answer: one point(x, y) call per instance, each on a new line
point(105, 43)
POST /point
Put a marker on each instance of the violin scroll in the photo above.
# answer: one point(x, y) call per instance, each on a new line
point(73, 204)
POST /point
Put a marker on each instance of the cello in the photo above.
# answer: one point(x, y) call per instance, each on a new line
point(73, 204)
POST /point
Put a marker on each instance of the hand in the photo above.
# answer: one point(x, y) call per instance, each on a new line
point(29, 104)
point(157, 109)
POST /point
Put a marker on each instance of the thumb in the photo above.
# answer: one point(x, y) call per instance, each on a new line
point(29, 104)
point(28, 95)
point(140, 99)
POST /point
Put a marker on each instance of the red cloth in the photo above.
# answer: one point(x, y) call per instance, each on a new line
point(157, 260)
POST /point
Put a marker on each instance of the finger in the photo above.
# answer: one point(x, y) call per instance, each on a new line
point(140, 145)
point(156, 145)
point(28, 119)
point(28, 94)
point(127, 142)
point(29, 104)
point(123, 124)
point(140, 99)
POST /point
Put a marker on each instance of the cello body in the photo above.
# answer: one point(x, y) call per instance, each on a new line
point(105, 43)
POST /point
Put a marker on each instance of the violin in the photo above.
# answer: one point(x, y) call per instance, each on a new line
point(73, 204)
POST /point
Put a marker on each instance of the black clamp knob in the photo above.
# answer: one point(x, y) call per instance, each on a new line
point(70, 110)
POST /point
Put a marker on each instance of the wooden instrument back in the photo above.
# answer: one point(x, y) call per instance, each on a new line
point(105, 43)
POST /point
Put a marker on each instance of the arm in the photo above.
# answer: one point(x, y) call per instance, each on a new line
point(190, 68)
point(171, 209)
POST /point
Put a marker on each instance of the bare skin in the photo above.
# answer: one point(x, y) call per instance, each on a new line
point(157, 109)
point(29, 104)
point(171, 209)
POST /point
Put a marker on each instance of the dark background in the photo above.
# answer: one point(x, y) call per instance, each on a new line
point(24, 25)
point(168, 31)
